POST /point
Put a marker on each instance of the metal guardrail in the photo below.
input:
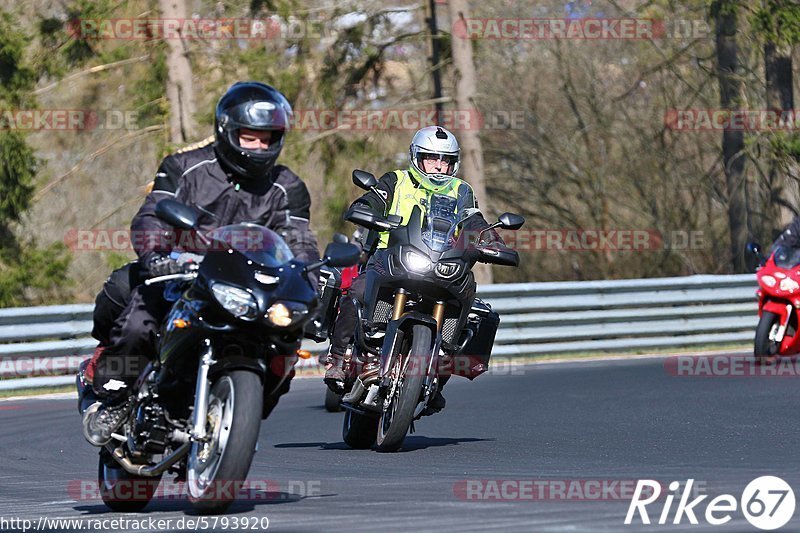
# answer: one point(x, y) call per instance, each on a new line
point(535, 319)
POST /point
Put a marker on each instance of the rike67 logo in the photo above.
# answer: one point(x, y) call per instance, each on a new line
point(767, 503)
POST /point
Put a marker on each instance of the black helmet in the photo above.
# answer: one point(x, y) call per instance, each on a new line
point(255, 106)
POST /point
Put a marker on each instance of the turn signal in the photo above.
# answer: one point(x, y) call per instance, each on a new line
point(303, 354)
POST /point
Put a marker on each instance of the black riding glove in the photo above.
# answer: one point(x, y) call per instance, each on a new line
point(163, 265)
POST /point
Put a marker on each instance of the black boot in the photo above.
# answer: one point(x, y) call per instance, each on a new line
point(334, 375)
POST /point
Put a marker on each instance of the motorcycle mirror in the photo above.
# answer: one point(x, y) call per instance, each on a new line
point(340, 238)
point(753, 257)
point(338, 254)
point(364, 179)
point(511, 221)
point(176, 214)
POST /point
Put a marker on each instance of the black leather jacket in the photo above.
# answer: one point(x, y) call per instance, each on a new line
point(789, 237)
point(195, 177)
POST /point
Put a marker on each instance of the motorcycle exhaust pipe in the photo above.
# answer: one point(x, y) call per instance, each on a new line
point(363, 382)
point(354, 396)
point(154, 470)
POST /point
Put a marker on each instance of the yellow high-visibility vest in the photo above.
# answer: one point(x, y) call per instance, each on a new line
point(406, 195)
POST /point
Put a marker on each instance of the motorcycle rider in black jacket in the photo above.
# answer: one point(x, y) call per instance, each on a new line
point(232, 180)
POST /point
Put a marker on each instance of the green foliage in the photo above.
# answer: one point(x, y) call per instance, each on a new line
point(115, 260)
point(785, 145)
point(778, 21)
point(65, 46)
point(16, 176)
point(27, 273)
point(724, 7)
point(150, 102)
point(33, 275)
point(16, 78)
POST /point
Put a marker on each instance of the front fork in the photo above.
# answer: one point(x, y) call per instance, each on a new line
point(778, 335)
point(400, 300)
point(201, 392)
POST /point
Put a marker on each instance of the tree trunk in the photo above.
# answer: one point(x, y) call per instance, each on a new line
point(733, 157)
point(468, 137)
point(780, 97)
point(180, 91)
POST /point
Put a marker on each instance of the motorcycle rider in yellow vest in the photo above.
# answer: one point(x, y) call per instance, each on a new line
point(435, 158)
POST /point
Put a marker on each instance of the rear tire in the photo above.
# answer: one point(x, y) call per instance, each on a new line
point(359, 431)
point(398, 410)
point(765, 348)
point(121, 491)
point(217, 470)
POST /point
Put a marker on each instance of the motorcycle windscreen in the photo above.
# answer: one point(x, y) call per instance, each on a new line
point(257, 243)
point(786, 257)
point(442, 219)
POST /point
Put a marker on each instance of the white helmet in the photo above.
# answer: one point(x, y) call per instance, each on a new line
point(437, 141)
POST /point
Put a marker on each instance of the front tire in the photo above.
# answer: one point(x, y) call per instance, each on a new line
point(764, 347)
point(217, 469)
point(398, 410)
point(121, 491)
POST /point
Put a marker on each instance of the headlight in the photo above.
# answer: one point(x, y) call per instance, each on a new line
point(284, 314)
point(789, 285)
point(446, 270)
point(417, 262)
point(236, 301)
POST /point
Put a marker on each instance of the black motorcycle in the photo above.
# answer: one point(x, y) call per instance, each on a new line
point(226, 349)
point(421, 322)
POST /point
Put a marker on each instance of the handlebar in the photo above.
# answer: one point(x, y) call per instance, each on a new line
point(365, 217)
point(188, 276)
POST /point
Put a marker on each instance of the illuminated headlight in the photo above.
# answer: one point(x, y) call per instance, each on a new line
point(284, 314)
point(417, 262)
point(769, 281)
point(789, 285)
point(236, 301)
point(446, 270)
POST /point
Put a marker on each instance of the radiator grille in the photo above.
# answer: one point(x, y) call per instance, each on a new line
point(449, 329)
point(383, 312)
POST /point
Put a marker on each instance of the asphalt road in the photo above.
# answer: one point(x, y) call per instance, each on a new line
point(576, 426)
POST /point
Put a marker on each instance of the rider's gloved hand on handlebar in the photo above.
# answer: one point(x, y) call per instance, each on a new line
point(189, 261)
point(163, 265)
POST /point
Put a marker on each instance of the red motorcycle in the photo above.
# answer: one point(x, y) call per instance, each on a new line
point(778, 302)
point(333, 283)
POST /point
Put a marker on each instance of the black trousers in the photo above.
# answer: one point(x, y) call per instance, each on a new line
point(346, 320)
point(113, 298)
point(132, 342)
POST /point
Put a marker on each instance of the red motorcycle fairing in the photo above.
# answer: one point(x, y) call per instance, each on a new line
point(779, 293)
point(773, 306)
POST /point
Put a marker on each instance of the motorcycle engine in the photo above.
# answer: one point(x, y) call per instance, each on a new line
point(150, 428)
